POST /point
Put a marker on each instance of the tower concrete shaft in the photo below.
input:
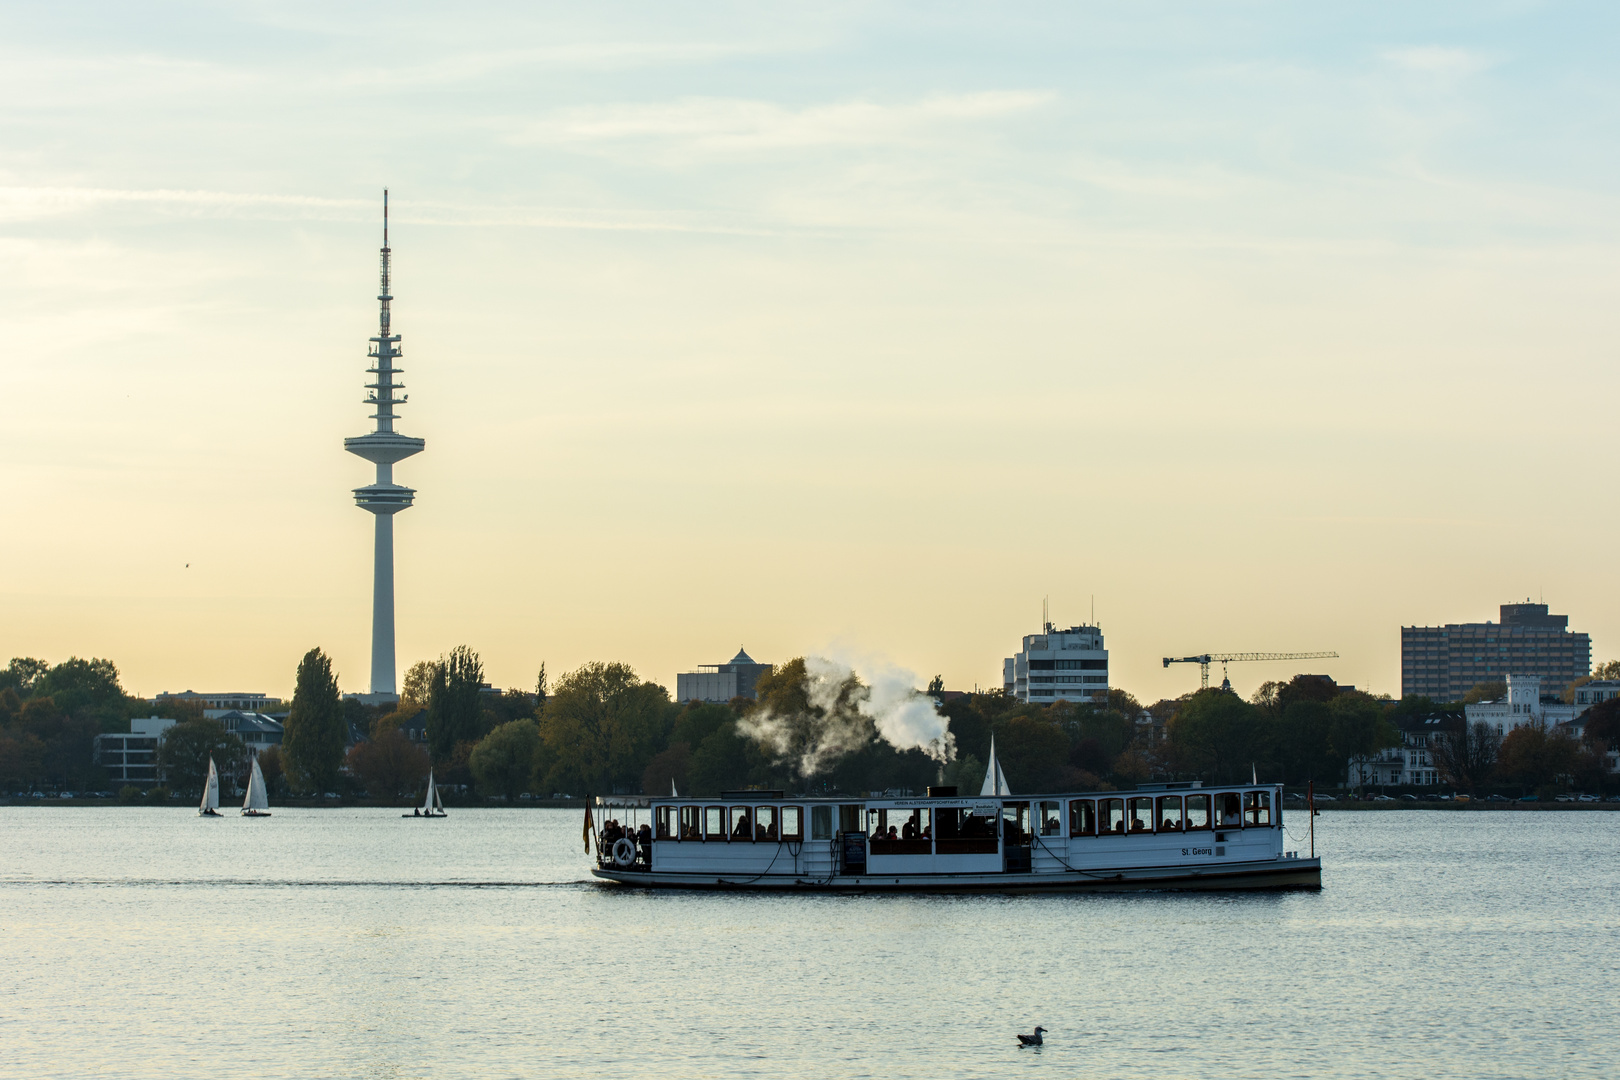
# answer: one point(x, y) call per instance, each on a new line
point(383, 447)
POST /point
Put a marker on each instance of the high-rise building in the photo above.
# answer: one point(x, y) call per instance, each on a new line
point(1445, 662)
point(1059, 665)
point(721, 682)
point(384, 447)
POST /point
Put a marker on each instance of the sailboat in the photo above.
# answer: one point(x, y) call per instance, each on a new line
point(995, 781)
point(210, 798)
point(257, 802)
point(431, 806)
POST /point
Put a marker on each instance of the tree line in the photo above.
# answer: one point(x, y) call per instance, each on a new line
point(603, 729)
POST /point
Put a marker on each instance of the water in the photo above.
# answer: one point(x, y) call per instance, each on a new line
point(144, 942)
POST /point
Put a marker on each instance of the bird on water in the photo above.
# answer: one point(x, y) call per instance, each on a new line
point(1032, 1040)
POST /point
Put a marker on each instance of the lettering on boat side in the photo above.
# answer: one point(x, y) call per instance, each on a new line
point(1197, 851)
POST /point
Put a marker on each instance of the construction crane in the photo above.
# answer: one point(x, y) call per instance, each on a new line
point(1224, 658)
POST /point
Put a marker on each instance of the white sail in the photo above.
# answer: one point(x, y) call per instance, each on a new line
point(257, 797)
point(995, 781)
point(438, 803)
point(672, 792)
point(210, 798)
point(432, 795)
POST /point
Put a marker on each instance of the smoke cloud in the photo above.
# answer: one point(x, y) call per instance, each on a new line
point(837, 713)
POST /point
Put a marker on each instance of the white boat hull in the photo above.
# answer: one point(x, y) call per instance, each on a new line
point(1283, 873)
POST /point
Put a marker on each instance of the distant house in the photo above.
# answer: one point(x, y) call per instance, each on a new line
point(132, 758)
point(1411, 763)
point(1523, 706)
point(258, 731)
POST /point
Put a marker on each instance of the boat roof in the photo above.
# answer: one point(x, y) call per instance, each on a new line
point(895, 798)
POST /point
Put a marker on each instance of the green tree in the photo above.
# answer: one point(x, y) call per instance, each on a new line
point(312, 745)
point(389, 765)
point(1033, 753)
point(455, 714)
point(22, 674)
point(1217, 735)
point(722, 762)
point(503, 760)
point(1609, 669)
point(184, 750)
point(667, 768)
point(603, 724)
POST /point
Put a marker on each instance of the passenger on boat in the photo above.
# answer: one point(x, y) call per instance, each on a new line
point(1231, 809)
point(742, 831)
point(909, 830)
point(894, 833)
point(644, 837)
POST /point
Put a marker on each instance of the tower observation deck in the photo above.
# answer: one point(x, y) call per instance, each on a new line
point(384, 447)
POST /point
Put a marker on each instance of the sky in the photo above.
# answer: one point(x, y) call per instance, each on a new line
point(853, 328)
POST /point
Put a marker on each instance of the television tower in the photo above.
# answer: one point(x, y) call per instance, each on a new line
point(384, 446)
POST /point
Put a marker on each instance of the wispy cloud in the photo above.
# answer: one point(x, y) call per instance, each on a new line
point(731, 123)
point(1437, 61)
point(18, 204)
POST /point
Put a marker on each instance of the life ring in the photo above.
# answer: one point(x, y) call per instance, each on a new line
point(624, 852)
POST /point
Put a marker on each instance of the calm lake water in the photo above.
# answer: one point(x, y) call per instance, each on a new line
point(144, 942)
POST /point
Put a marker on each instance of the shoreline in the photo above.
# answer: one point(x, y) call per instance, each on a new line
point(1464, 806)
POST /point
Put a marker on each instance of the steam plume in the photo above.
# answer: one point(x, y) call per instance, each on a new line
point(836, 713)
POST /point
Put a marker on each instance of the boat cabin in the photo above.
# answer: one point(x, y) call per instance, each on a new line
point(762, 836)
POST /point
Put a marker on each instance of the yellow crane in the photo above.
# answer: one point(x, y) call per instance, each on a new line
point(1224, 658)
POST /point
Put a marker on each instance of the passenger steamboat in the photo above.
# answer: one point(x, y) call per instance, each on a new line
point(1164, 836)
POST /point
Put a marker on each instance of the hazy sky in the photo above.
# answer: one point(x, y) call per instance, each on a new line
point(1273, 326)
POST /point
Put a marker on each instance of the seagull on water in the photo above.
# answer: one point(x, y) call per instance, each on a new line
point(1031, 1040)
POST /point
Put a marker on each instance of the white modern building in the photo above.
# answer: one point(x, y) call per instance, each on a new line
point(721, 682)
point(1059, 665)
point(132, 758)
point(384, 447)
point(216, 705)
point(1522, 706)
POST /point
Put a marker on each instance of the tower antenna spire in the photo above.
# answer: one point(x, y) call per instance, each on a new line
point(383, 447)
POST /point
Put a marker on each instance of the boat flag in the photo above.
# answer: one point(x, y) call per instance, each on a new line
point(588, 825)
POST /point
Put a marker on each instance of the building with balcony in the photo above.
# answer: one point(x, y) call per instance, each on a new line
point(1443, 663)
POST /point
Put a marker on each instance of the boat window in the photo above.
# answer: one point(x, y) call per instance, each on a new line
point(1256, 808)
point(821, 823)
point(714, 823)
point(662, 832)
point(742, 823)
point(1111, 816)
point(979, 825)
point(792, 823)
point(765, 823)
point(1170, 813)
point(1082, 817)
point(1197, 813)
point(947, 822)
point(897, 831)
point(691, 823)
point(1015, 823)
point(849, 818)
point(1051, 820)
point(1142, 814)
point(1228, 810)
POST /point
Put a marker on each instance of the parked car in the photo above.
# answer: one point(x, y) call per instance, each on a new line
point(1588, 798)
point(1563, 798)
point(1410, 798)
point(65, 795)
point(1326, 798)
point(1496, 798)
point(1530, 798)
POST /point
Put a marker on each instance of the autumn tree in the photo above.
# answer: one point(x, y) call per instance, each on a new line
point(503, 760)
point(389, 765)
point(1465, 754)
point(312, 744)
